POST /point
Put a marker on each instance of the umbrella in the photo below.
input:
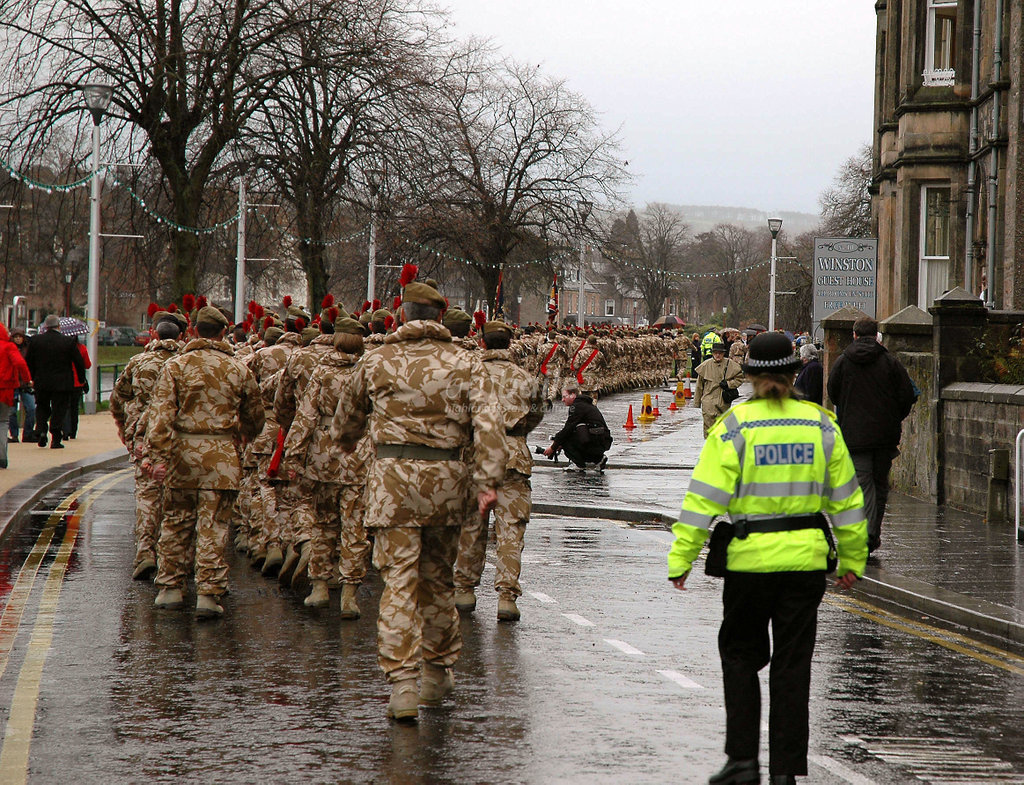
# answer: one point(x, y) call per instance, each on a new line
point(669, 321)
point(69, 325)
point(759, 327)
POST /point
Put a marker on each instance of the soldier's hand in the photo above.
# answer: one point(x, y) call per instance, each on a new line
point(485, 500)
point(158, 471)
point(846, 581)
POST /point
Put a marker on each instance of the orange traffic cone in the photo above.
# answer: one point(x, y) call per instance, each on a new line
point(630, 425)
point(655, 410)
point(646, 410)
point(687, 392)
point(672, 406)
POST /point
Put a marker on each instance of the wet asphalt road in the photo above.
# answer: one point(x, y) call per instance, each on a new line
point(611, 676)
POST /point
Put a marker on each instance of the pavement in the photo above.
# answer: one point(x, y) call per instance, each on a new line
point(943, 563)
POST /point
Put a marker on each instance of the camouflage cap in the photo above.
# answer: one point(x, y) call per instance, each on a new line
point(495, 326)
point(308, 334)
point(210, 315)
point(432, 283)
point(455, 316)
point(380, 315)
point(295, 312)
point(417, 292)
point(348, 325)
point(166, 316)
point(272, 335)
point(365, 317)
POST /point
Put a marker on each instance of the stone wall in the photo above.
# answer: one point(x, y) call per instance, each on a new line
point(916, 470)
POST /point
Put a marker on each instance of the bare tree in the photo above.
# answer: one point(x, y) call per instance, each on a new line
point(727, 251)
point(846, 206)
point(646, 250)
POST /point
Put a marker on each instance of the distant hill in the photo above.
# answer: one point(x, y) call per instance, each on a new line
point(702, 218)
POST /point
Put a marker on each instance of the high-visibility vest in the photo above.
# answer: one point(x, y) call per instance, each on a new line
point(709, 340)
point(765, 460)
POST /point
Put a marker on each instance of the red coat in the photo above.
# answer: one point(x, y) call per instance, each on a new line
point(88, 364)
point(13, 370)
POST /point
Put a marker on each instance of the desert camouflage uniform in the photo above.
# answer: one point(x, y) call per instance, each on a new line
point(708, 394)
point(203, 406)
point(424, 392)
point(683, 348)
point(335, 478)
point(128, 403)
point(558, 365)
point(522, 404)
point(298, 493)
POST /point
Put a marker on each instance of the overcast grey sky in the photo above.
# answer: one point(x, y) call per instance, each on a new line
point(743, 103)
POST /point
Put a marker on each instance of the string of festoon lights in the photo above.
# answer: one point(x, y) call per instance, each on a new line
point(36, 185)
point(169, 222)
point(310, 240)
point(463, 260)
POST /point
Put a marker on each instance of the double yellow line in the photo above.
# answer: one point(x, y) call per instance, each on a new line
point(14, 755)
point(992, 655)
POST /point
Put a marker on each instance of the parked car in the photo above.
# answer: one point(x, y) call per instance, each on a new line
point(141, 339)
point(116, 336)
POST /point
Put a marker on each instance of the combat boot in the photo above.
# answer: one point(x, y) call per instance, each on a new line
point(349, 606)
point(273, 561)
point(319, 597)
point(436, 681)
point(259, 556)
point(207, 607)
point(508, 610)
point(465, 600)
point(300, 577)
point(782, 779)
point(242, 543)
point(291, 558)
point(737, 772)
point(169, 598)
point(144, 570)
point(405, 700)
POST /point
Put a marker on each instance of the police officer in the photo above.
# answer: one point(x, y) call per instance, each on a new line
point(772, 464)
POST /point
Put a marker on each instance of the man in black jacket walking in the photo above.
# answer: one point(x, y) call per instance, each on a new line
point(585, 437)
point(53, 359)
point(872, 394)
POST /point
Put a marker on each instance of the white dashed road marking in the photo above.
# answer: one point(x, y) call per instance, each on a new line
point(841, 771)
point(541, 596)
point(624, 647)
point(681, 680)
point(578, 620)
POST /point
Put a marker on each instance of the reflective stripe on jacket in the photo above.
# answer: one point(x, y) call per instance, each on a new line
point(709, 340)
point(771, 459)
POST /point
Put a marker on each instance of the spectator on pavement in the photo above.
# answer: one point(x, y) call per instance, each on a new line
point(23, 395)
point(873, 394)
point(810, 381)
point(714, 376)
point(81, 388)
point(14, 374)
point(53, 360)
point(585, 437)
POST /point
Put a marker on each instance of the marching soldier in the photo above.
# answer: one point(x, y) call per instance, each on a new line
point(426, 402)
point(522, 408)
point(204, 405)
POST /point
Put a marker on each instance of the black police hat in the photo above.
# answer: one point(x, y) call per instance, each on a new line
point(770, 353)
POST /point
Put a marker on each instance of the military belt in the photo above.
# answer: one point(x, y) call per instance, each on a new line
point(188, 435)
point(792, 523)
point(419, 452)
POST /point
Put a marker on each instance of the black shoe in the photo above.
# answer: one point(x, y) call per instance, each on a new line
point(604, 462)
point(737, 772)
point(56, 445)
point(41, 441)
point(3, 464)
point(13, 438)
point(782, 779)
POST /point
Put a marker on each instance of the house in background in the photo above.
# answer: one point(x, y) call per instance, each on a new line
point(947, 158)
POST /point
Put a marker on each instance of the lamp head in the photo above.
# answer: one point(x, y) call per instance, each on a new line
point(774, 226)
point(583, 207)
point(97, 98)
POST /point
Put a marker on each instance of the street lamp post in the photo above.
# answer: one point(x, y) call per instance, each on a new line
point(97, 98)
point(374, 178)
point(774, 225)
point(67, 294)
point(583, 207)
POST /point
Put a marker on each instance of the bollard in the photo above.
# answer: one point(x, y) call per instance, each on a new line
point(998, 486)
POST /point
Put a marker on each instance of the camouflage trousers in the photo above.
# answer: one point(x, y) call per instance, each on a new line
point(418, 621)
point(338, 510)
point(511, 515)
point(148, 504)
point(300, 501)
point(204, 515)
point(277, 499)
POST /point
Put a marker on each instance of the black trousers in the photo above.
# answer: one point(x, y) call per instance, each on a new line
point(581, 448)
point(51, 407)
point(789, 602)
point(872, 467)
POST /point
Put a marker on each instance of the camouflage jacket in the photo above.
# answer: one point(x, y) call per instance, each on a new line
point(309, 449)
point(266, 364)
point(295, 377)
point(522, 405)
point(204, 405)
point(134, 387)
point(423, 390)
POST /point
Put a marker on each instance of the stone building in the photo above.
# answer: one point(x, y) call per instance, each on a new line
point(948, 163)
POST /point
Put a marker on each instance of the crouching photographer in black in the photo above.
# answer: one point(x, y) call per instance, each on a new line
point(585, 437)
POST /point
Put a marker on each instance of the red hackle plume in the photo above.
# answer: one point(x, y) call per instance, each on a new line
point(252, 306)
point(268, 322)
point(397, 303)
point(152, 309)
point(332, 314)
point(479, 317)
point(201, 301)
point(259, 313)
point(287, 301)
point(409, 272)
point(300, 324)
point(366, 306)
point(328, 301)
point(172, 308)
point(188, 302)
point(389, 321)
point(316, 320)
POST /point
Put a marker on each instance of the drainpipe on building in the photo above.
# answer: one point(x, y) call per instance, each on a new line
point(993, 180)
point(972, 164)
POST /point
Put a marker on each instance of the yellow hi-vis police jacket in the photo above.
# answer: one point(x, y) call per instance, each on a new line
point(766, 459)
